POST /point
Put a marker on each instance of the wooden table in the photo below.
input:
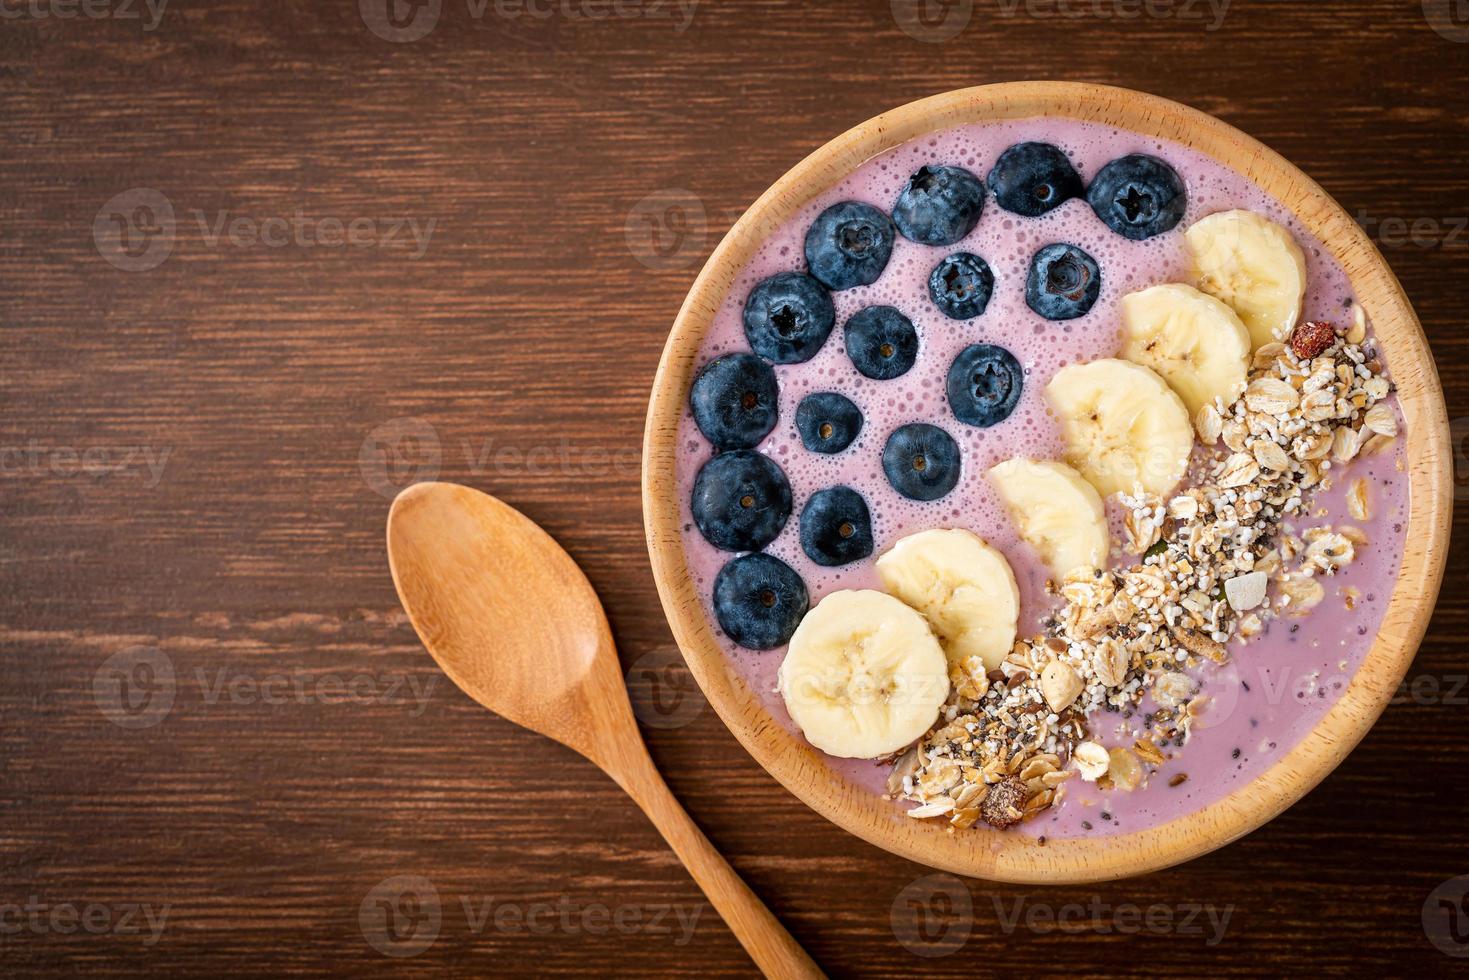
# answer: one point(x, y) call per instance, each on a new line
point(224, 348)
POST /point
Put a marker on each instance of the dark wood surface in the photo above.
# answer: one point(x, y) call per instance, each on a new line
point(576, 172)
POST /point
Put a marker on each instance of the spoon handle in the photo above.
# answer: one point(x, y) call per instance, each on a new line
point(772, 948)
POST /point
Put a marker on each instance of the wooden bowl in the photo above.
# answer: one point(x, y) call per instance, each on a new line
point(1008, 856)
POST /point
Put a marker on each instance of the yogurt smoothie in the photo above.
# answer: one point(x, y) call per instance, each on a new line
point(1274, 687)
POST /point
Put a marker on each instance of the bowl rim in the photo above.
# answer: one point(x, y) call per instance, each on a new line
point(1001, 855)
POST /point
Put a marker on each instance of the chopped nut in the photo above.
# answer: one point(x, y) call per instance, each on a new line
point(1060, 685)
point(1357, 332)
point(937, 808)
point(1246, 591)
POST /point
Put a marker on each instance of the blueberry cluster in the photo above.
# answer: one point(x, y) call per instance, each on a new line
point(742, 499)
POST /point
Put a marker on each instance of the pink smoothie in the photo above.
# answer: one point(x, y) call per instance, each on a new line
point(1279, 684)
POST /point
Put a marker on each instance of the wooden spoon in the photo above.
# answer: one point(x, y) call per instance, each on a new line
point(512, 620)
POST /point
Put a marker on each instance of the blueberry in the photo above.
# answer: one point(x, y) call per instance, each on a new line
point(984, 385)
point(921, 461)
point(741, 500)
point(836, 528)
point(1030, 179)
point(849, 245)
point(788, 317)
point(1064, 282)
point(961, 285)
point(759, 601)
point(827, 422)
point(881, 342)
point(939, 205)
point(1138, 196)
point(735, 401)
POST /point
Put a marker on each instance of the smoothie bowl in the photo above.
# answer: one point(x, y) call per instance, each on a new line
point(1046, 482)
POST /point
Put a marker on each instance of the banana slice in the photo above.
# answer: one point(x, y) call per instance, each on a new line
point(1056, 511)
point(964, 588)
point(863, 676)
point(1199, 345)
point(1124, 428)
point(1255, 266)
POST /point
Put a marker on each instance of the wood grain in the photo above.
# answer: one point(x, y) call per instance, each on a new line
point(531, 323)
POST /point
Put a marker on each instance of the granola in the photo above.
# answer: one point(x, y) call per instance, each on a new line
point(1207, 563)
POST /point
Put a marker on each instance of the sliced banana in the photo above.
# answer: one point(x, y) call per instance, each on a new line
point(1196, 342)
point(863, 676)
point(1056, 511)
point(1124, 428)
point(964, 588)
point(1254, 265)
